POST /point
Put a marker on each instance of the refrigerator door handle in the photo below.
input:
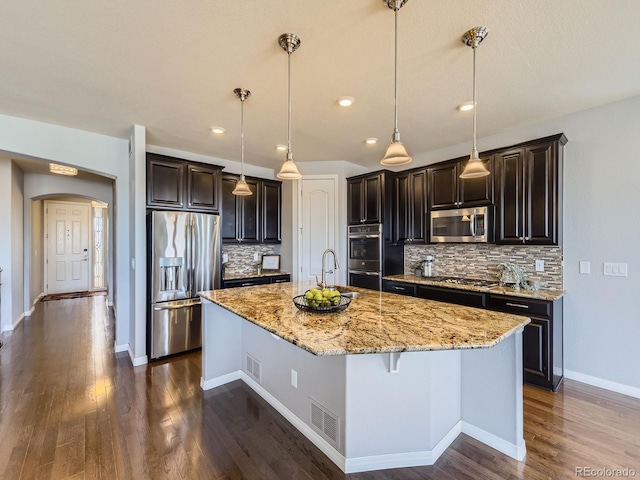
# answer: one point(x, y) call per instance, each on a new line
point(189, 251)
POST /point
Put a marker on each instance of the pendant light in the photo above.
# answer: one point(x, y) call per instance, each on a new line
point(290, 43)
point(474, 168)
point(396, 153)
point(242, 188)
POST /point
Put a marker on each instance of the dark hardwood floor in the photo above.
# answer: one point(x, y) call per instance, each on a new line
point(71, 408)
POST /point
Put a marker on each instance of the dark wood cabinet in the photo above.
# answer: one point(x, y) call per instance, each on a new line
point(203, 188)
point(451, 295)
point(165, 183)
point(271, 208)
point(529, 199)
point(175, 184)
point(240, 214)
point(365, 198)
point(253, 218)
point(448, 190)
point(542, 339)
point(410, 207)
point(250, 281)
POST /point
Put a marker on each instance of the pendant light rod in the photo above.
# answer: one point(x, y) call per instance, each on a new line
point(474, 167)
point(290, 43)
point(396, 154)
point(242, 188)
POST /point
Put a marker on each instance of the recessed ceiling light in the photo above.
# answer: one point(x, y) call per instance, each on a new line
point(281, 147)
point(217, 130)
point(62, 169)
point(466, 106)
point(371, 140)
point(345, 101)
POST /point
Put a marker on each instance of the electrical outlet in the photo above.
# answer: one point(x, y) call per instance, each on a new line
point(294, 378)
point(539, 265)
point(256, 257)
point(225, 258)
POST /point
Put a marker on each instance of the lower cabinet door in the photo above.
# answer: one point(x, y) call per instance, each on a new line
point(401, 288)
point(449, 295)
point(535, 349)
point(369, 280)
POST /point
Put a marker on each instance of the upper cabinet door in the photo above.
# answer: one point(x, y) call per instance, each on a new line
point(510, 207)
point(443, 186)
point(355, 202)
point(373, 187)
point(165, 183)
point(476, 192)
point(271, 200)
point(541, 194)
point(250, 214)
point(410, 207)
point(229, 210)
point(203, 188)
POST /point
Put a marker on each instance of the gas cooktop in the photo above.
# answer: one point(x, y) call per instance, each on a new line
point(475, 282)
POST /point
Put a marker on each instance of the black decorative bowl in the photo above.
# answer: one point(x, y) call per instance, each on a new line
point(301, 302)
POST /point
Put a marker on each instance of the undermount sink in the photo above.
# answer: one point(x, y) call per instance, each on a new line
point(350, 294)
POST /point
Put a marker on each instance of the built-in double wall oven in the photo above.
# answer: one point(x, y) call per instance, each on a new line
point(365, 256)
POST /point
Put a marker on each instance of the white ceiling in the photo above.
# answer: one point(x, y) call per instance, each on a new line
point(103, 66)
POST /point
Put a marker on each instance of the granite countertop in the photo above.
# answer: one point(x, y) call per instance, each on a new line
point(375, 322)
point(239, 276)
point(541, 294)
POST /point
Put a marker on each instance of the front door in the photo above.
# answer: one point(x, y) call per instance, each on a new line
point(67, 238)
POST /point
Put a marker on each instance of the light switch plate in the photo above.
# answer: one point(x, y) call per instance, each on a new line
point(614, 269)
point(256, 257)
point(225, 258)
point(585, 268)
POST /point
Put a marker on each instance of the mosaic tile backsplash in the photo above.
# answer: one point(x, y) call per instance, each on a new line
point(481, 261)
point(241, 258)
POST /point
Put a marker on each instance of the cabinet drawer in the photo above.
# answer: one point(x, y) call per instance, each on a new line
point(521, 306)
point(399, 287)
point(246, 282)
point(450, 295)
point(281, 279)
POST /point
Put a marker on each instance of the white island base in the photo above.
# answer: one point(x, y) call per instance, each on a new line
point(374, 411)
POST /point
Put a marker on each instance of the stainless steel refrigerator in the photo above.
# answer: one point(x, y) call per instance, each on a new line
point(184, 259)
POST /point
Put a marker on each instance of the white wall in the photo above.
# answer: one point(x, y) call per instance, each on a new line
point(5, 245)
point(88, 151)
point(17, 247)
point(38, 187)
point(601, 174)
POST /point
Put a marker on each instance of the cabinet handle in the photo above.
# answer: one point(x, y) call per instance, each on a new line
point(399, 288)
point(248, 284)
point(519, 305)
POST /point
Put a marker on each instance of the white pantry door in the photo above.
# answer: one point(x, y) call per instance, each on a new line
point(67, 237)
point(318, 219)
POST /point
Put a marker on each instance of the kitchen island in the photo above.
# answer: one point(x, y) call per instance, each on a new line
point(389, 382)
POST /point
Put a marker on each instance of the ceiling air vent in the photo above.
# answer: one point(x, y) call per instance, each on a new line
point(325, 423)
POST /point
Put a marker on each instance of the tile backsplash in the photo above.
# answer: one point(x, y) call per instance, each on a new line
point(241, 258)
point(481, 261)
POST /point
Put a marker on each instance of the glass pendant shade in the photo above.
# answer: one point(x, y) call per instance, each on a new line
point(289, 171)
point(242, 188)
point(396, 155)
point(474, 168)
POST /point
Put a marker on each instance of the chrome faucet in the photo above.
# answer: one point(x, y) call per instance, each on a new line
point(322, 283)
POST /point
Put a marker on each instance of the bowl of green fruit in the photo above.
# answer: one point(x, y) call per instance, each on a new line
point(325, 300)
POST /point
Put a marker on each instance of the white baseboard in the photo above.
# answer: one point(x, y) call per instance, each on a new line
point(14, 325)
point(602, 383)
point(121, 348)
point(137, 361)
point(514, 451)
point(350, 465)
point(216, 382)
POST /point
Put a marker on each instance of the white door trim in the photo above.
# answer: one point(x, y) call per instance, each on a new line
point(298, 221)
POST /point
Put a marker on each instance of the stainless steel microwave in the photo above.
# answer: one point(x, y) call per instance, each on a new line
point(462, 225)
